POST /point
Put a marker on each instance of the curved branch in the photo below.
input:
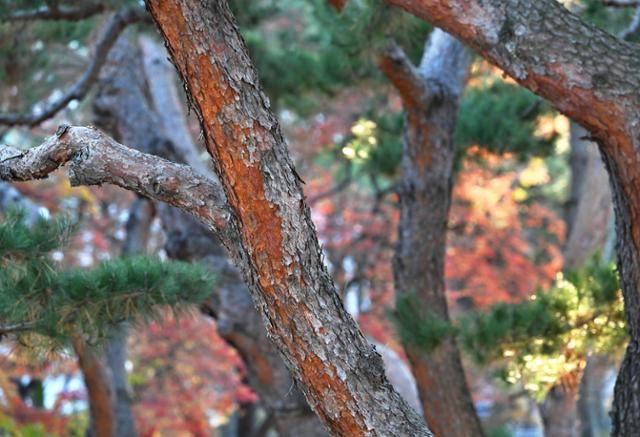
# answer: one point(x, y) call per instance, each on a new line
point(95, 159)
point(59, 13)
point(277, 250)
point(549, 50)
point(118, 22)
point(405, 77)
point(425, 85)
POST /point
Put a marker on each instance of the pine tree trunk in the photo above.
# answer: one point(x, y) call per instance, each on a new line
point(279, 256)
point(431, 96)
point(127, 96)
point(592, 77)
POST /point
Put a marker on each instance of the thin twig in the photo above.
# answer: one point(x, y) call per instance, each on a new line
point(53, 12)
point(15, 328)
point(118, 22)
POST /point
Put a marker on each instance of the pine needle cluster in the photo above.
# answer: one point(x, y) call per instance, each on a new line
point(39, 301)
point(537, 341)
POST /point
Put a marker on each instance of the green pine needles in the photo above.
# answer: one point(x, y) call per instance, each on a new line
point(40, 301)
point(511, 111)
point(417, 326)
point(538, 341)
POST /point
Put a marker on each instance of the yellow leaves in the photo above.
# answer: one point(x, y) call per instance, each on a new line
point(363, 128)
point(534, 174)
point(520, 194)
point(349, 152)
point(365, 139)
point(64, 189)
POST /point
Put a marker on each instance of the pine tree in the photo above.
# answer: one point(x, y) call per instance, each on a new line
point(46, 306)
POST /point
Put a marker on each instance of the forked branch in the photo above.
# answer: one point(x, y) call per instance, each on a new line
point(94, 158)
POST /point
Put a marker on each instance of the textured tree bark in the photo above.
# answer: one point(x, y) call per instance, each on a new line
point(592, 77)
point(99, 391)
point(124, 105)
point(340, 373)
point(431, 96)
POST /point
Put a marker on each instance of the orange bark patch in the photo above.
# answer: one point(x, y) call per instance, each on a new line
point(424, 380)
point(237, 151)
point(98, 389)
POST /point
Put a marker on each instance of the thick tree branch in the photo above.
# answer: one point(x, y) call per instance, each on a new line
point(425, 195)
point(592, 77)
point(79, 90)
point(411, 86)
point(277, 250)
point(540, 44)
point(96, 159)
point(124, 106)
point(421, 87)
point(56, 13)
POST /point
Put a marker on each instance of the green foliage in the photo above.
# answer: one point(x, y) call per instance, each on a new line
point(549, 336)
point(610, 19)
point(10, 427)
point(500, 431)
point(385, 158)
point(502, 118)
point(59, 304)
point(417, 326)
point(539, 340)
point(307, 49)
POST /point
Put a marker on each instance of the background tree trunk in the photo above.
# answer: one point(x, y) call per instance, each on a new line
point(431, 96)
point(127, 96)
point(587, 220)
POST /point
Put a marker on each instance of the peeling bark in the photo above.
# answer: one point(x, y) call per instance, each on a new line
point(340, 373)
point(124, 106)
point(431, 96)
point(592, 77)
point(96, 159)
